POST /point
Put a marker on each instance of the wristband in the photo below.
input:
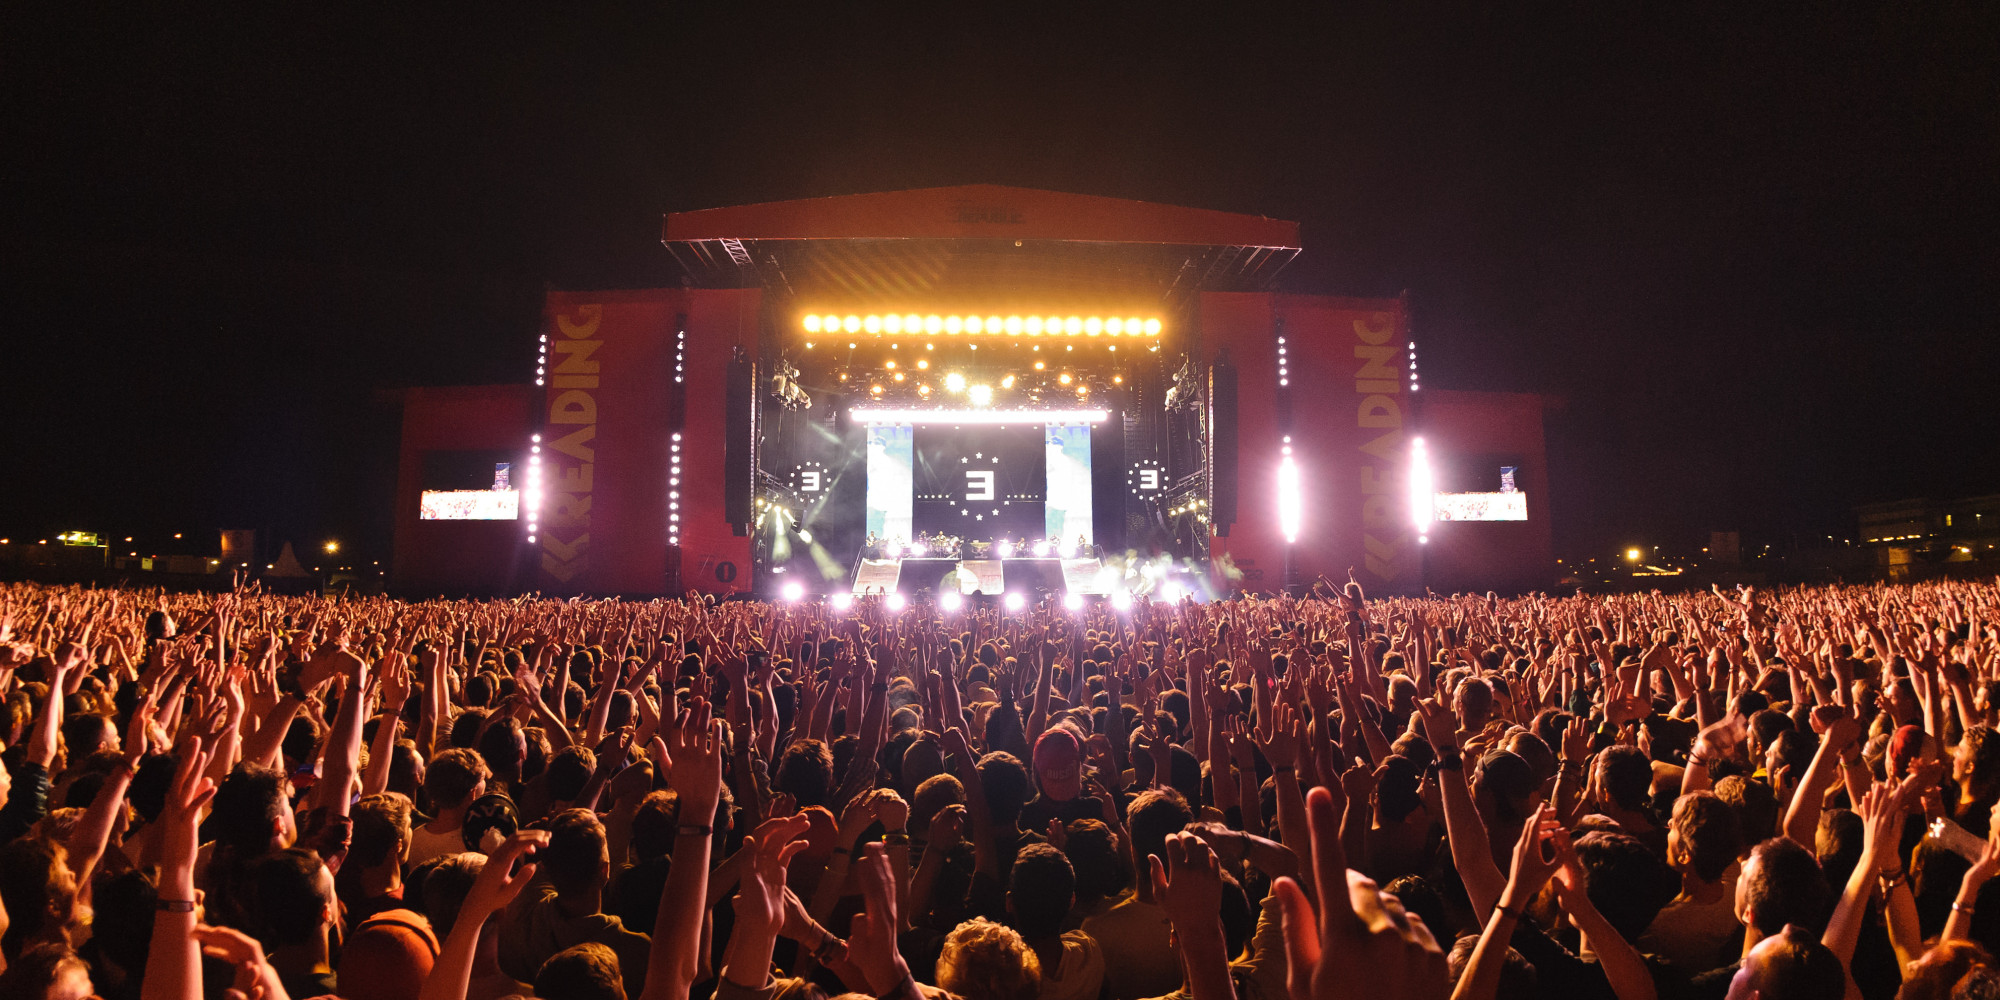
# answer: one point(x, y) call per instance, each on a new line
point(694, 830)
point(897, 838)
point(1503, 909)
point(175, 906)
point(1451, 760)
point(842, 851)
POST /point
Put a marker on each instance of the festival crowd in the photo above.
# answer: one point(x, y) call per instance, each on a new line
point(1783, 794)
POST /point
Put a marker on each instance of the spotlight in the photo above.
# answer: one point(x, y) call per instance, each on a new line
point(897, 602)
point(895, 551)
point(1121, 601)
point(792, 591)
point(1074, 602)
point(841, 601)
point(951, 601)
point(812, 324)
point(1006, 550)
point(1015, 602)
point(1291, 501)
point(1041, 550)
point(1007, 382)
point(1423, 488)
point(919, 550)
point(1064, 378)
point(1632, 555)
point(1171, 593)
point(981, 395)
point(954, 382)
point(1066, 549)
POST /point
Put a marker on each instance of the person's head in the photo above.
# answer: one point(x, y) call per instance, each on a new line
point(39, 893)
point(588, 971)
point(983, 960)
point(1059, 764)
point(289, 900)
point(655, 825)
point(381, 831)
point(921, 762)
point(387, 957)
point(1399, 787)
point(577, 858)
point(1790, 964)
point(569, 771)
point(85, 733)
point(1790, 753)
point(1781, 884)
point(121, 922)
point(1755, 804)
point(1095, 858)
point(1976, 763)
point(1628, 883)
point(1517, 976)
point(1040, 891)
point(1505, 789)
point(1624, 777)
point(1703, 837)
point(47, 971)
point(445, 887)
point(805, 772)
point(1006, 785)
point(931, 797)
point(1934, 975)
point(454, 779)
point(251, 813)
point(1473, 703)
point(1151, 818)
point(505, 748)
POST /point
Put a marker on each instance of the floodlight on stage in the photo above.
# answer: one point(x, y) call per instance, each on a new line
point(885, 415)
point(1291, 502)
point(951, 601)
point(1066, 549)
point(1074, 602)
point(792, 591)
point(1121, 601)
point(1006, 550)
point(1041, 550)
point(841, 601)
point(919, 550)
point(954, 382)
point(897, 602)
point(1015, 602)
point(981, 395)
point(895, 551)
point(1423, 486)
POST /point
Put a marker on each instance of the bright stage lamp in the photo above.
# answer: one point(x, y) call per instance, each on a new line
point(919, 550)
point(1073, 325)
point(1041, 550)
point(1291, 502)
point(793, 591)
point(951, 601)
point(841, 601)
point(812, 323)
point(1632, 555)
point(1152, 328)
point(1093, 326)
point(872, 324)
point(1114, 326)
point(981, 395)
point(954, 382)
point(1033, 325)
point(1006, 550)
point(974, 324)
point(1074, 602)
point(897, 602)
point(1007, 383)
point(1066, 549)
point(1065, 378)
point(953, 324)
point(892, 323)
point(1014, 325)
point(895, 551)
point(1171, 593)
point(1015, 602)
point(1121, 601)
point(851, 324)
point(1423, 486)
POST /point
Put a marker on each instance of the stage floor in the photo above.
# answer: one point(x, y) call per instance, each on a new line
point(1084, 576)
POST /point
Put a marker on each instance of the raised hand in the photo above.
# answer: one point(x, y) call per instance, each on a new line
point(871, 944)
point(1360, 929)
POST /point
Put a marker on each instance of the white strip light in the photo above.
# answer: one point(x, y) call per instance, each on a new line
point(534, 492)
point(1423, 489)
point(674, 491)
point(869, 415)
point(542, 360)
point(1291, 499)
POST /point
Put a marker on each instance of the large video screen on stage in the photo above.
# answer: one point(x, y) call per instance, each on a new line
point(469, 486)
point(979, 481)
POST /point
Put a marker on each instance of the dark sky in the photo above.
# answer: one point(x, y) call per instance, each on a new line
point(1754, 254)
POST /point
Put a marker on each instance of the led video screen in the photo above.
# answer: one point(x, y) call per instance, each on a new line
point(979, 482)
point(1481, 506)
point(469, 486)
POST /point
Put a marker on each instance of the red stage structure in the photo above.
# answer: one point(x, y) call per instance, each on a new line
point(802, 416)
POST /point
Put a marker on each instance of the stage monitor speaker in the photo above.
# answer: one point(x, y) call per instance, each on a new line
point(1222, 445)
point(739, 446)
point(923, 574)
point(1029, 576)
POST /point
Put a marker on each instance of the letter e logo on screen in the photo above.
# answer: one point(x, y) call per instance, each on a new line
point(979, 484)
point(1149, 479)
point(809, 481)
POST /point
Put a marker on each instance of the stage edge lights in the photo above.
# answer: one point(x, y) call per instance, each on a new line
point(792, 591)
point(841, 601)
point(1074, 602)
point(1015, 602)
point(951, 601)
point(872, 415)
point(1423, 490)
point(1291, 504)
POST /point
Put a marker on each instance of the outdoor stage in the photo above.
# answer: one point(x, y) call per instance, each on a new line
point(833, 379)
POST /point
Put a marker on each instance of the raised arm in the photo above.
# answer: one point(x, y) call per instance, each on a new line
point(694, 769)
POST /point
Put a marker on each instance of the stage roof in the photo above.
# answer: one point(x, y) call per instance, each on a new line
point(976, 242)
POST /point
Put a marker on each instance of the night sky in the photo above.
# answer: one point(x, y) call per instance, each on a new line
point(1753, 255)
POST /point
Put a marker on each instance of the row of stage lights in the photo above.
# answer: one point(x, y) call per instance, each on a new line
point(533, 499)
point(1033, 326)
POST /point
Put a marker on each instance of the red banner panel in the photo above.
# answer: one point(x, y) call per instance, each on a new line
point(627, 371)
point(457, 557)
